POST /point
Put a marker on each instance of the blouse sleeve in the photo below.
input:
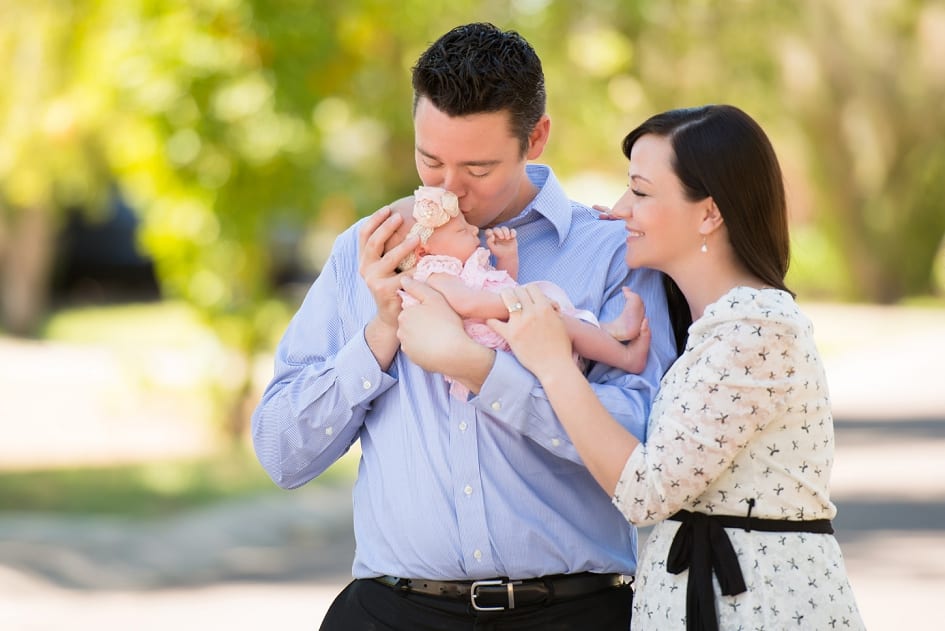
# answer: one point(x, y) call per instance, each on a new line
point(718, 397)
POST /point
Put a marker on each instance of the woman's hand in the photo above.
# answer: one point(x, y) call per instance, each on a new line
point(431, 334)
point(535, 331)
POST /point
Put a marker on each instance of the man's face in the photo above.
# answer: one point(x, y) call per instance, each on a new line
point(477, 158)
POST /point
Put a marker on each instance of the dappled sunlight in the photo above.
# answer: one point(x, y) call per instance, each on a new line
point(600, 51)
point(932, 41)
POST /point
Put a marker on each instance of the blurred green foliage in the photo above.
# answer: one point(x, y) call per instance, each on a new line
point(147, 489)
point(248, 133)
point(141, 490)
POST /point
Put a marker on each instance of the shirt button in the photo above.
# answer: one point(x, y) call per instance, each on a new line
point(555, 442)
point(366, 384)
point(496, 406)
point(329, 431)
point(463, 426)
point(467, 490)
point(478, 554)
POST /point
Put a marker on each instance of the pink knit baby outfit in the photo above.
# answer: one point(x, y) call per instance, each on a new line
point(478, 273)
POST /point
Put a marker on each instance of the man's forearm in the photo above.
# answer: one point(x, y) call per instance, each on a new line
point(473, 367)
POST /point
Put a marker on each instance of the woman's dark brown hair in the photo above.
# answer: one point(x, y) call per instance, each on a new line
point(720, 151)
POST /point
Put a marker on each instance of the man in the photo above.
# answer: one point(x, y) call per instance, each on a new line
point(478, 511)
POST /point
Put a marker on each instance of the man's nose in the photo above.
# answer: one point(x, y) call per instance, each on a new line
point(453, 182)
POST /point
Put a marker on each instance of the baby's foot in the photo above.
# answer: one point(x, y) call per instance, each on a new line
point(638, 350)
point(627, 325)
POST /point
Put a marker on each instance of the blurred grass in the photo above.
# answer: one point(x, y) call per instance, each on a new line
point(149, 489)
point(133, 332)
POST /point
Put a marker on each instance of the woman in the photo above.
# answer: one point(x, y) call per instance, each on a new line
point(735, 469)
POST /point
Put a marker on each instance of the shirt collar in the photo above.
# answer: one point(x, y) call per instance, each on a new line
point(551, 202)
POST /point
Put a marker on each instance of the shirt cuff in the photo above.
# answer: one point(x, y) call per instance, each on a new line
point(506, 392)
point(362, 380)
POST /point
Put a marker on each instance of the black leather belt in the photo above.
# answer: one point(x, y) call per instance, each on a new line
point(500, 594)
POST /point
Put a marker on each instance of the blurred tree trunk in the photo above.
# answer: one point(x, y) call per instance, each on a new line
point(875, 129)
point(241, 406)
point(26, 255)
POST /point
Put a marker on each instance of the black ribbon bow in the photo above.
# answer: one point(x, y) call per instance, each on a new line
point(701, 545)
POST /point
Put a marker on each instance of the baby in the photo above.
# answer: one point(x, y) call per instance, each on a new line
point(450, 259)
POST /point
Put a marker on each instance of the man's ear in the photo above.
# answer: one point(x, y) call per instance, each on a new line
point(538, 138)
point(711, 218)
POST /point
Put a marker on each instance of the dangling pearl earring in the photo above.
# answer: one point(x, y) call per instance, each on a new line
point(704, 247)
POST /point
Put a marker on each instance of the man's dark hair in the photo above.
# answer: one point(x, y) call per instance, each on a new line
point(478, 68)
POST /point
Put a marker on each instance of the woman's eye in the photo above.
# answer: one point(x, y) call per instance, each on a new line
point(637, 192)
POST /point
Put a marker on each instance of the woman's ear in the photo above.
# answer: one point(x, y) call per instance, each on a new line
point(711, 218)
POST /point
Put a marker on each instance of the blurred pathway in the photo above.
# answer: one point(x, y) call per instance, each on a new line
point(278, 560)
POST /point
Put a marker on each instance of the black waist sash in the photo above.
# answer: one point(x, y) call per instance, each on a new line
point(701, 545)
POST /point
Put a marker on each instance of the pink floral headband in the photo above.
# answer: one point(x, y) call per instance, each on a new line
point(432, 207)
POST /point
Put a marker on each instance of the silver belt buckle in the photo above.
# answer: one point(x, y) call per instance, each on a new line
point(477, 584)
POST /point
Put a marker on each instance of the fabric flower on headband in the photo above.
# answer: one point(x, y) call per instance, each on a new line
point(432, 207)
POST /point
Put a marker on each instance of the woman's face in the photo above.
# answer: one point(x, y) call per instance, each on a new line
point(662, 225)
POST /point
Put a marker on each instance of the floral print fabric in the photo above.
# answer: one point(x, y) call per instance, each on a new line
point(743, 414)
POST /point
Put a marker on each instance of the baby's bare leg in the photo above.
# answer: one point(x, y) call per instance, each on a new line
point(596, 344)
point(627, 325)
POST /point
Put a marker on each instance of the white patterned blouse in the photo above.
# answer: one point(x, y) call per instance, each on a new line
point(742, 421)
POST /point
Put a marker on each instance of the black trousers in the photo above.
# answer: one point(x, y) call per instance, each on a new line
point(366, 605)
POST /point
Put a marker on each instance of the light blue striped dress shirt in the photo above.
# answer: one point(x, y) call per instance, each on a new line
point(452, 490)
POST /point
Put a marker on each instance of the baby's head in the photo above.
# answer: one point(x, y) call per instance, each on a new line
point(433, 214)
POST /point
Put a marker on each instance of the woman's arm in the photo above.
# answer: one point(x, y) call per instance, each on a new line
point(540, 341)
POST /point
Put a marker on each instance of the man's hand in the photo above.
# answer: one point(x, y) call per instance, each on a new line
point(379, 273)
point(605, 213)
point(431, 334)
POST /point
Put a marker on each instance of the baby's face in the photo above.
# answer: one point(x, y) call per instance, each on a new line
point(456, 238)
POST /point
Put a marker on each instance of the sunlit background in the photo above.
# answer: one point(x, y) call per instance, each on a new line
point(173, 175)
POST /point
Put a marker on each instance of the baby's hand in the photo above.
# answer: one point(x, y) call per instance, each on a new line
point(502, 241)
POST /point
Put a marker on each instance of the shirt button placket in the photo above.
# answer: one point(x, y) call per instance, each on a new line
point(464, 453)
